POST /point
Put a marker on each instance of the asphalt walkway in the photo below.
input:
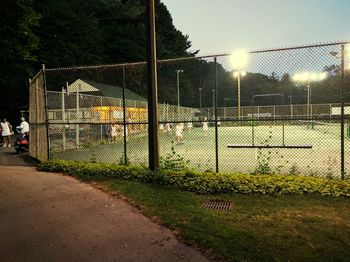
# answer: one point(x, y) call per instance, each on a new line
point(52, 217)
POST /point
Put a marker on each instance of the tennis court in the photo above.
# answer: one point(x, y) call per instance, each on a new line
point(321, 159)
point(263, 109)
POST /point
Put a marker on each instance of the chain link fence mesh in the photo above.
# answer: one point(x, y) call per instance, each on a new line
point(212, 116)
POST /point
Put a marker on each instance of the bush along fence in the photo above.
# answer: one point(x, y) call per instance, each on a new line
point(205, 182)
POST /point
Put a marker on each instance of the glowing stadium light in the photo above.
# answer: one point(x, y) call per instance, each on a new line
point(296, 78)
point(239, 59)
point(237, 74)
point(307, 77)
point(347, 49)
point(314, 77)
point(322, 76)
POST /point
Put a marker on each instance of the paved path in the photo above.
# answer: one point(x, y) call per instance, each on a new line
point(52, 217)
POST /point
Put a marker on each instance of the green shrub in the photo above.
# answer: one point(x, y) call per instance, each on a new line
point(205, 183)
point(173, 161)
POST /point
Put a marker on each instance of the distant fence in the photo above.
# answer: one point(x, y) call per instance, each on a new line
point(77, 120)
point(278, 111)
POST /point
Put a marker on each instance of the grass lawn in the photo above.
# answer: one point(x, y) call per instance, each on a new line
point(257, 228)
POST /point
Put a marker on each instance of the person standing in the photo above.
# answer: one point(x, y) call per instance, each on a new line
point(24, 127)
point(114, 133)
point(178, 133)
point(161, 127)
point(168, 128)
point(205, 127)
point(6, 131)
point(189, 127)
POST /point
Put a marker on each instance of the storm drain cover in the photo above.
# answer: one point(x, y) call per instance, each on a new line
point(218, 205)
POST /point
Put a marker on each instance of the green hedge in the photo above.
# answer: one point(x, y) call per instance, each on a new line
point(205, 183)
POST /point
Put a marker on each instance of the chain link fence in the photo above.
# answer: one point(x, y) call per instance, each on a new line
point(280, 113)
point(37, 118)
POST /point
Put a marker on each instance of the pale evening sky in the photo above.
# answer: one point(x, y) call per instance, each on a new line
point(224, 25)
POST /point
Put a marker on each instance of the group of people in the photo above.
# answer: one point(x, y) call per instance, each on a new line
point(7, 131)
point(180, 127)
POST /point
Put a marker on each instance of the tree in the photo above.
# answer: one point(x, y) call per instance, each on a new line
point(18, 43)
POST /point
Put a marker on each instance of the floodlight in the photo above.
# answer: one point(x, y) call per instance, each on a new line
point(235, 74)
point(239, 59)
point(243, 73)
point(305, 76)
point(314, 77)
point(322, 76)
point(296, 77)
point(347, 49)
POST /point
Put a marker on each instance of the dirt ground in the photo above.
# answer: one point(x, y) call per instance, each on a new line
point(52, 217)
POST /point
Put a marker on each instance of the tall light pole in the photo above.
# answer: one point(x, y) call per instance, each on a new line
point(239, 60)
point(178, 90)
point(238, 75)
point(213, 90)
point(200, 97)
point(307, 77)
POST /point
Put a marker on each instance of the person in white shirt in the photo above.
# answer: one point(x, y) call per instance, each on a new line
point(24, 127)
point(113, 133)
point(189, 127)
point(178, 132)
point(205, 127)
point(6, 131)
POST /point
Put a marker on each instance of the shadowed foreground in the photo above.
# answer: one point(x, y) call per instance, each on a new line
point(51, 217)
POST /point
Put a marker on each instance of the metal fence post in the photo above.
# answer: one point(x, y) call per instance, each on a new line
point(37, 148)
point(101, 126)
point(342, 160)
point(216, 116)
point(63, 121)
point(124, 119)
point(77, 127)
point(153, 139)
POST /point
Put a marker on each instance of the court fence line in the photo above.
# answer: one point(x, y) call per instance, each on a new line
point(82, 110)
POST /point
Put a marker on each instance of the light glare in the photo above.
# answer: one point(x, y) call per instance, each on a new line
point(243, 73)
point(322, 76)
point(309, 77)
point(239, 59)
point(347, 48)
point(314, 77)
point(235, 73)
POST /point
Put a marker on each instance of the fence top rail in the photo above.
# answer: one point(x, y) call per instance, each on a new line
point(36, 76)
point(82, 67)
point(287, 105)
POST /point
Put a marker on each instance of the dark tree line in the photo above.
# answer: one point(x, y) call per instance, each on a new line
point(80, 32)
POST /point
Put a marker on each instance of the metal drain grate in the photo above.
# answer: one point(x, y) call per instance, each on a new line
point(218, 205)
